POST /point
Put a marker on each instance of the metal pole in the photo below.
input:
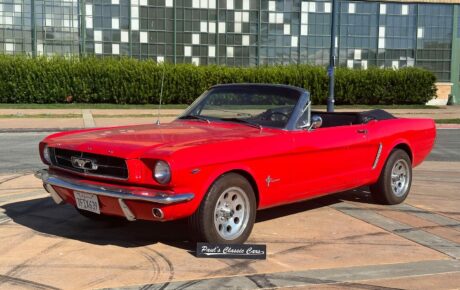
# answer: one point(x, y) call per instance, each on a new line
point(259, 31)
point(130, 30)
point(82, 26)
point(34, 29)
point(175, 32)
point(217, 33)
point(333, 56)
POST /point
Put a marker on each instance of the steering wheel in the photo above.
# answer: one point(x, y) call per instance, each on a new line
point(278, 116)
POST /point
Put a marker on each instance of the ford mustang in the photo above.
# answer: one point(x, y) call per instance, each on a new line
point(237, 149)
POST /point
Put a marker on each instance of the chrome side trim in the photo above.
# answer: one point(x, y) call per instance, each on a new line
point(377, 157)
point(149, 195)
point(126, 211)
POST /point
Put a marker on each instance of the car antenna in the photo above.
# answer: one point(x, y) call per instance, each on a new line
point(161, 94)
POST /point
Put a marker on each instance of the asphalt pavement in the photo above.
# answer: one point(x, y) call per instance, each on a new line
point(19, 151)
point(447, 147)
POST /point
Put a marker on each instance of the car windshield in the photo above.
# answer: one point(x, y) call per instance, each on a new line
point(257, 106)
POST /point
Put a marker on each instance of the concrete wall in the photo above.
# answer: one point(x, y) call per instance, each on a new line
point(444, 90)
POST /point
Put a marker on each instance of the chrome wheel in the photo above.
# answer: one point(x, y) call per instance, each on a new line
point(400, 177)
point(231, 213)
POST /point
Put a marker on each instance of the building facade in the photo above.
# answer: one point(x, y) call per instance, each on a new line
point(242, 32)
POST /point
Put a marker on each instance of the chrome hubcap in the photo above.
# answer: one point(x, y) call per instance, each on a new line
point(400, 177)
point(231, 214)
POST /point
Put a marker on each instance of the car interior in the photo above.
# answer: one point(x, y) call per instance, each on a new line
point(277, 117)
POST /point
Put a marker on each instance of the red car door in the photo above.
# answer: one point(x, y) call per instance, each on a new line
point(331, 159)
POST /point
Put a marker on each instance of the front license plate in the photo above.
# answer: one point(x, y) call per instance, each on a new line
point(87, 201)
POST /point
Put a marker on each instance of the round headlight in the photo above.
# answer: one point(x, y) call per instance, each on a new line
point(162, 172)
point(46, 154)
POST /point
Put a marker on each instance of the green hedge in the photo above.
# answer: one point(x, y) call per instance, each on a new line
point(107, 80)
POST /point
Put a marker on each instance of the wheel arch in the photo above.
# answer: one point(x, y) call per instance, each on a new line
point(405, 147)
point(387, 149)
point(244, 172)
point(251, 181)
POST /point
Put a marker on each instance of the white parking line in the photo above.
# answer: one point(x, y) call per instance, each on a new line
point(88, 118)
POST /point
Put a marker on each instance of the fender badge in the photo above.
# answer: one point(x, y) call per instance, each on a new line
point(196, 170)
point(269, 180)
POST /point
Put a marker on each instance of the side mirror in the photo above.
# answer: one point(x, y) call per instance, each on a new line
point(316, 122)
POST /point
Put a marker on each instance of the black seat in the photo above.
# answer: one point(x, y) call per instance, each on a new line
point(331, 119)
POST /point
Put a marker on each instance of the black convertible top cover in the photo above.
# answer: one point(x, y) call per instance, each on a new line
point(377, 114)
point(332, 119)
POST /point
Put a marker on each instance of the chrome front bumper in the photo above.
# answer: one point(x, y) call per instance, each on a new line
point(149, 195)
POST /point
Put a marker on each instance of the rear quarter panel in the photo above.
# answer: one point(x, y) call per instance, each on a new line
point(417, 134)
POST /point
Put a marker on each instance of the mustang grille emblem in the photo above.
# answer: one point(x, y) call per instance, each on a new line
point(84, 163)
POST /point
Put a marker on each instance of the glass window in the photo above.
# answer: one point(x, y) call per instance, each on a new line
point(262, 105)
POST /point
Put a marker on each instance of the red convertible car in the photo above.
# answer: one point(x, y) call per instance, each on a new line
point(238, 148)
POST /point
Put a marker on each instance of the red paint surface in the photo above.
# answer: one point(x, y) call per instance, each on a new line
point(303, 164)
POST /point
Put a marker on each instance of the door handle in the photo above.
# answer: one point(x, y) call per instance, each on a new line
point(362, 131)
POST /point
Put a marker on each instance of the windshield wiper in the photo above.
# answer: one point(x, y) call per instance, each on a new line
point(243, 121)
point(195, 117)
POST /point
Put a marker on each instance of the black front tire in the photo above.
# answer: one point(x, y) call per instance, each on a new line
point(383, 191)
point(202, 224)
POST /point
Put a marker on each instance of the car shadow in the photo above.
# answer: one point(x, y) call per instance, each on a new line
point(361, 195)
point(46, 218)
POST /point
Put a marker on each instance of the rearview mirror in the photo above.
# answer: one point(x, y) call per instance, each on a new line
point(316, 122)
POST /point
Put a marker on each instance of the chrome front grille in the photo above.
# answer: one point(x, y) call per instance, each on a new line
point(100, 165)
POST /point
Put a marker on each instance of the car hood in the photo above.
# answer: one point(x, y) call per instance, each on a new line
point(132, 141)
